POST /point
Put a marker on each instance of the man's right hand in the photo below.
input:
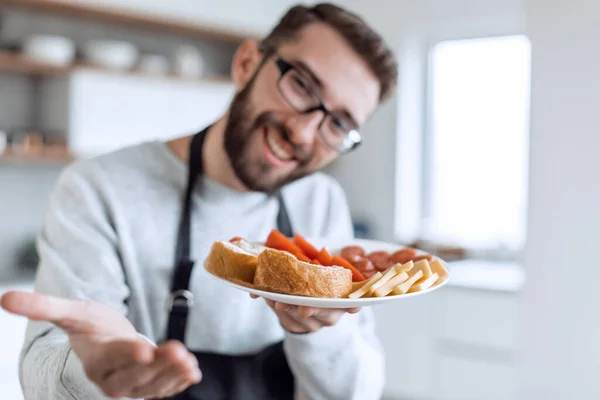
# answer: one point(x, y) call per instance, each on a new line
point(114, 356)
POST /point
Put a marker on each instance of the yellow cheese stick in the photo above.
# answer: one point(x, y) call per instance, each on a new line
point(391, 284)
point(403, 287)
point(400, 268)
point(358, 285)
point(422, 265)
point(437, 267)
point(424, 283)
point(389, 274)
point(364, 288)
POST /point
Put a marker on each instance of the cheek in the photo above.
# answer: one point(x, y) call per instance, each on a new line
point(323, 155)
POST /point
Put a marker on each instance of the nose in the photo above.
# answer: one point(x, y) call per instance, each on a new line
point(303, 128)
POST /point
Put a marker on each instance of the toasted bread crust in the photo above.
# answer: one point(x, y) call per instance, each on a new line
point(230, 262)
point(281, 272)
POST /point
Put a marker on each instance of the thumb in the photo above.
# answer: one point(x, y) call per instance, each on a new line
point(71, 315)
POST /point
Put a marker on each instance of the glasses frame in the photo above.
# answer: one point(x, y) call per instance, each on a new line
point(353, 134)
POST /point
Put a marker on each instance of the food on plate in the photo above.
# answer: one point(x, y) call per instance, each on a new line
point(404, 278)
point(389, 274)
point(353, 253)
point(396, 271)
point(361, 291)
point(308, 249)
point(380, 260)
point(405, 286)
point(294, 266)
point(424, 283)
point(403, 256)
point(438, 268)
point(234, 260)
point(281, 272)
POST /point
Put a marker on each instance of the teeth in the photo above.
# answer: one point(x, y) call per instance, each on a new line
point(279, 152)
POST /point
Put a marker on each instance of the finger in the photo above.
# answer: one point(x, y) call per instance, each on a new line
point(290, 324)
point(110, 356)
point(72, 315)
point(284, 307)
point(253, 296)
point(124, 381)
point(166, 384)
point(35, 306)
point(306, 312)
point(270, 303)
point(180, 369)
point(353, 310)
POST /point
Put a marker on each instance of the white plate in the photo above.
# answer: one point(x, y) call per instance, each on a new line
point(334, 246)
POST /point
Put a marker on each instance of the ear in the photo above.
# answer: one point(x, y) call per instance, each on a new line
point(246, 60)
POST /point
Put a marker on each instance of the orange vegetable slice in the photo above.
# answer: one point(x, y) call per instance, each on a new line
point(342, 262)
point(305, 246)
point(277, 240)
point(324, 257)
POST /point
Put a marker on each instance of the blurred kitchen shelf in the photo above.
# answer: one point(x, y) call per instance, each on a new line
point(43, 157)
point(127, 18)
point(20, 64)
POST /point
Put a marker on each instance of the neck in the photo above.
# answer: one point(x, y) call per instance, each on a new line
point(217, 166)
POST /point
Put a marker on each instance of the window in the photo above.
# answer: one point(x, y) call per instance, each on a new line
point(476, 144)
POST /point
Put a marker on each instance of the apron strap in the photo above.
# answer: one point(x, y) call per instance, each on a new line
point(181, 299)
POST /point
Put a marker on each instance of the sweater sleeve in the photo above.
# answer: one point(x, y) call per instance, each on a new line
point(78, 259)
point(345, 361)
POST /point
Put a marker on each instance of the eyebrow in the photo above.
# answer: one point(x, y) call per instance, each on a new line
point(319, 83)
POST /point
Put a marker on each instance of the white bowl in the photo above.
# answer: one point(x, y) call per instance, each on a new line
point(56, 50)
point(111, 54)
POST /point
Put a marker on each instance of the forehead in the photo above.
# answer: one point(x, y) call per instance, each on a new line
point(348, 83)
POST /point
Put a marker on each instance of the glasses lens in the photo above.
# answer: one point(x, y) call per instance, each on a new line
point(298, 91)
point(339, 133)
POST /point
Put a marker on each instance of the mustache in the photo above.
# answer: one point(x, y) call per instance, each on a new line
point(269, 119)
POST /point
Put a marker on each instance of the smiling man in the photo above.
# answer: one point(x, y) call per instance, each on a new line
point(119, 308)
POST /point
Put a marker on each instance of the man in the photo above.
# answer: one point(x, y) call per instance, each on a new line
point(112, 316)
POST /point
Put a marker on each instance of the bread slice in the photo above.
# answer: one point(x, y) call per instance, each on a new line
point(233, 261)
point(281, 272)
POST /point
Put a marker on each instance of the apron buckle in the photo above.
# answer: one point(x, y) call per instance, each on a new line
point(180, 296)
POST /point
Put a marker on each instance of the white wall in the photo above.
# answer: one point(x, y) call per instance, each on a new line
point(561, 324)
point(255, 16)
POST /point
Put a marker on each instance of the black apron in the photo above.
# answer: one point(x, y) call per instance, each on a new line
point(263, 376)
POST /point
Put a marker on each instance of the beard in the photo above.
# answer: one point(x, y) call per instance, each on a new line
point(257, 174)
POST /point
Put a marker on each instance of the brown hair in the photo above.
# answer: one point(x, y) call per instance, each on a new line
point(364, 40)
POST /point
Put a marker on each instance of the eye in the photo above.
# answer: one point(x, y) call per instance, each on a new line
point(300, 85)
point(338, 126)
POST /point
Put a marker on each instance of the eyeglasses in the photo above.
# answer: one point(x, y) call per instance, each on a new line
point(336, 130)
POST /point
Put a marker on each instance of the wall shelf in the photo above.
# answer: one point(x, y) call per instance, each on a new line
point(19, 64)
point(127, 18)
point(44, 157)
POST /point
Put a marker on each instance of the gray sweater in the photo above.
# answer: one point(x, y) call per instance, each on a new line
point(109, 236)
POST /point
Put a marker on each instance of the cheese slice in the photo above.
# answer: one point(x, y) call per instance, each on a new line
point(363, 290)
point(438, 268)
point(424, 283)
point(400, 268)
point(422, 265)
point(403, 287)
point(389, 274)
point(358, 285)
point(387, 288)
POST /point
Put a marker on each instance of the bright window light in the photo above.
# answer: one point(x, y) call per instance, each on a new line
point(477, 143)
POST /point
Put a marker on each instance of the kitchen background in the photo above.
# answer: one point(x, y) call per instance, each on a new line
point(485, 156)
